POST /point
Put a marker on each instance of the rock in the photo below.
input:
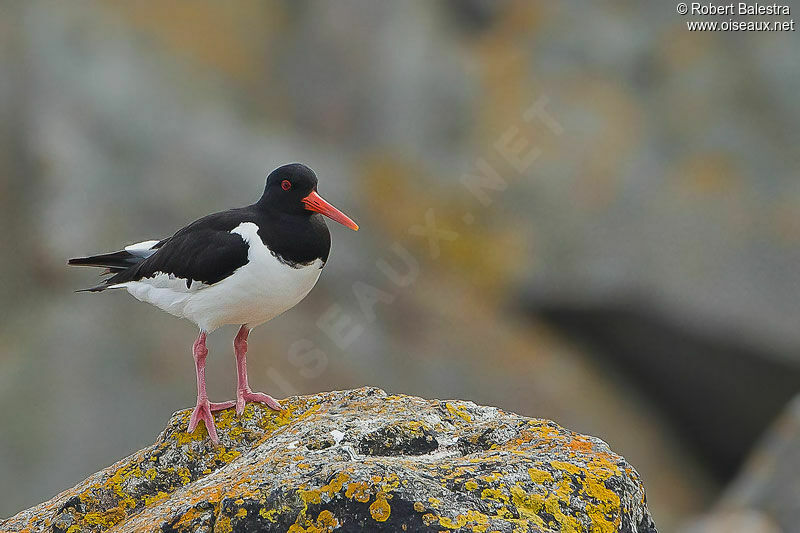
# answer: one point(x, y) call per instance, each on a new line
point(764, 496)
point(358, 460)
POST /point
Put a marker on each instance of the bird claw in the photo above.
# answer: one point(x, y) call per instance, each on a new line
point(202, 411)
point(244, 396)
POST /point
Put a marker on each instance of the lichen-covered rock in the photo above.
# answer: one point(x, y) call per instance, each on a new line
point(358, 461)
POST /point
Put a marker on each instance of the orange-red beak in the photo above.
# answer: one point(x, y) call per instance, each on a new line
point(315, 202)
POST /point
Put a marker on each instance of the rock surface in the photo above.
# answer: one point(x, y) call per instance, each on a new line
point(358, 460)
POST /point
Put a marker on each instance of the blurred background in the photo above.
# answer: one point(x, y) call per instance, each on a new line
point(574, 212)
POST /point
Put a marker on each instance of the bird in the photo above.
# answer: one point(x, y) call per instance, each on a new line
point(243, 266)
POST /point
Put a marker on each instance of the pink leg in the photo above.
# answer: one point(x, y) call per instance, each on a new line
point(243, 392)
point(204, 408)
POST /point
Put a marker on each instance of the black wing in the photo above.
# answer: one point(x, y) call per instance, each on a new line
point(205, 251)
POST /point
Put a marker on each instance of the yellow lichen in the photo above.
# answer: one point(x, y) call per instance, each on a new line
point(315, 495)
point(105, 519)
point(158, 497)
point(475, 520)
point(335, 484)
point(185, 475)
point(311, 496)
point(223, 525)
point(570, 495)
point(540, 476)
point(553, 505)
point(380, 509)
point(596, 489)
point(566, 467)
point(325, 523)
point(458, 411)
point(327, 520)
point(527, 505)
point(608, 504)
point(494, 476)
point(602, 467)
point(494, 494)
point(390, 482)
point(226, 456)
point(268, 514)
point(458, 522)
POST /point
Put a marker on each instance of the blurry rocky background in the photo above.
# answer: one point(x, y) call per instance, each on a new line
point(569, 211)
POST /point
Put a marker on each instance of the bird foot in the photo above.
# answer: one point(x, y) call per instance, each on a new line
point(246, 395)
point(202, 411)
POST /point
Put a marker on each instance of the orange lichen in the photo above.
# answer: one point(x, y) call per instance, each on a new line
point(579, 444)
point(358, 491)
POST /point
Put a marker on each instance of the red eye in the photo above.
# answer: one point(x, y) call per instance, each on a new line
point(286, 185)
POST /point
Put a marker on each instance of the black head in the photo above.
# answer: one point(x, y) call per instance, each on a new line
point(287, 186)
point(292, 189)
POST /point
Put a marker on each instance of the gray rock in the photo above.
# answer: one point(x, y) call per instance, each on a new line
point(764, 496)
point(358, 460)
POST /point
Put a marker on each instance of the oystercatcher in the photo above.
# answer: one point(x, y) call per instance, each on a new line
point(243, 266)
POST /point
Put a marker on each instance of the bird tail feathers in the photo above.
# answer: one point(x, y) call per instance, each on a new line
point(116, 262)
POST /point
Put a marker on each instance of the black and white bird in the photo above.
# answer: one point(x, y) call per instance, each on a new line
point(243, 266)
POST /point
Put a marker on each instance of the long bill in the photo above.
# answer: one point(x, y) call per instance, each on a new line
point(315, 202)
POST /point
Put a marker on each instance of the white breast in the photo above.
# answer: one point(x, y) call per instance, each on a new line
point(258, 291)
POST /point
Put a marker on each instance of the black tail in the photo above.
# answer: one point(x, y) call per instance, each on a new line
point(114, 263)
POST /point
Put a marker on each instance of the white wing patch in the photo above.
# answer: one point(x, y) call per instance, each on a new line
point(249, 233)
point(142, 249)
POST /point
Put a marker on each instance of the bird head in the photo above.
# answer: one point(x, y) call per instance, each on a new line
point(292, 189)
